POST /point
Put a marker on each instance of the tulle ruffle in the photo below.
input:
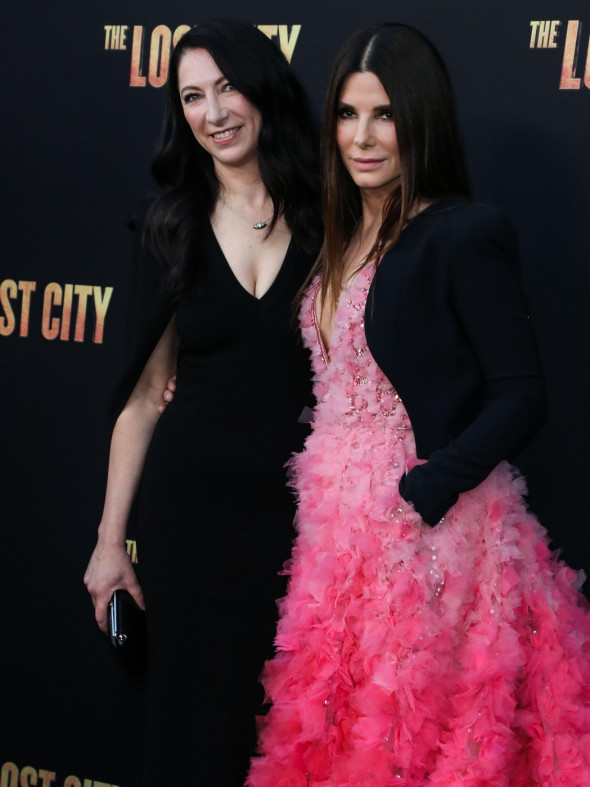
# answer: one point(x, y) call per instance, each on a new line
point(453, 656)
point(410, 655)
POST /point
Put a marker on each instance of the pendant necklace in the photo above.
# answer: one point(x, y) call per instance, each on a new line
point(259, 225)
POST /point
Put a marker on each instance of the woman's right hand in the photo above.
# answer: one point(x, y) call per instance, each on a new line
point(168, 394)
point(108, 570)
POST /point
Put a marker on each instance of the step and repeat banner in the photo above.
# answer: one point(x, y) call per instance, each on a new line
point(83, 97)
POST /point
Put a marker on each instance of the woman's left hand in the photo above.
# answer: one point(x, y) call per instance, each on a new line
point(168, 394)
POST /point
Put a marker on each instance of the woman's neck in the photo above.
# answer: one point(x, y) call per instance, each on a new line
point(366, 233)
point(372, 201)
point(242, 186)
point(368, 229)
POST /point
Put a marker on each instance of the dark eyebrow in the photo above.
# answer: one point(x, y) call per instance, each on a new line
point(196, 87)
point(382, 108)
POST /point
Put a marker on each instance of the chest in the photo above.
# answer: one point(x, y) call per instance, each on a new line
point(254, 258)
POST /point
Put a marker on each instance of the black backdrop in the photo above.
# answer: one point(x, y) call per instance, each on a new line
point(76, 144)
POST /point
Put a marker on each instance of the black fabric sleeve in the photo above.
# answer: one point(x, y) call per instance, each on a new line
point(490, 305)
point(149, 309)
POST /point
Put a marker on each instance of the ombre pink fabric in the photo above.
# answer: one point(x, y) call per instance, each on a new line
point(410, 655)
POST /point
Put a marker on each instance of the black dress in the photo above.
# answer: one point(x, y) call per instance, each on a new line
point(215, 519)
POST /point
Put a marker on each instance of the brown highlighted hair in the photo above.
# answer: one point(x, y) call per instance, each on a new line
point(416, 81)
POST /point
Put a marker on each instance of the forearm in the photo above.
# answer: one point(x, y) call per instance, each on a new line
point(109, 567)
point(129, 445)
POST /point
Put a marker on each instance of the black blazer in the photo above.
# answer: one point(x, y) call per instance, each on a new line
point(447, 322)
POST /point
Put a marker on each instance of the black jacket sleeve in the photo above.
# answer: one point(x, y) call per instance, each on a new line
point(490, 306)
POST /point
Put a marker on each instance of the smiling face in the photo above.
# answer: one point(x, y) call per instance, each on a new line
point(365, 133)
point(223, 122)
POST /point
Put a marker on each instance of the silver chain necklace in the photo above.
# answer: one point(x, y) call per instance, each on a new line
point(259, 225)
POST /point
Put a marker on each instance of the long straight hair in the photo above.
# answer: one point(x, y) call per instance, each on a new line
point(417, 84)
point(287, 147)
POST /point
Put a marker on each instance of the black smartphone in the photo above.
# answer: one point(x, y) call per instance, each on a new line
point(126, 625)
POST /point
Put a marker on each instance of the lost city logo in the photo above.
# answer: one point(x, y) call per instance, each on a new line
point(150, 50)
point(572, 40)
point(67, 311)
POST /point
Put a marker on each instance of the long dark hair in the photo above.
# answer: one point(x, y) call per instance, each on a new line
point(287, 146)
point(431, 159)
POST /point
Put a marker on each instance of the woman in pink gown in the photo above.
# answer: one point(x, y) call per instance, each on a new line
point(428, 637)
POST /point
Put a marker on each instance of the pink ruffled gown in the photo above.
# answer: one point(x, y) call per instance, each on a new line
point(410, 655)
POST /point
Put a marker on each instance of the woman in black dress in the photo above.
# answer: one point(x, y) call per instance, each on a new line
point(237, 226)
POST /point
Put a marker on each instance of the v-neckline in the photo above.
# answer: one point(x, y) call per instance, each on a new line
point(326, 348)
point(237, 285)
point(324, 351)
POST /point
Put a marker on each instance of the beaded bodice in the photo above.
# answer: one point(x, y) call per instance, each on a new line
point(349, 386)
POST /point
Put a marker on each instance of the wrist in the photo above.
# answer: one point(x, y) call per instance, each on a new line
point(111, 536)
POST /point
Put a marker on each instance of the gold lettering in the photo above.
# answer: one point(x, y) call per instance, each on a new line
point(50, 325)
point(101, 304)
point(8, 291)
point(544, 34)
point(131, 547)
point(82, 291)
point(136, 78)
point(26, 287)
point(543, 38)
point(553, 33)
point(115, 36)
point(47, 776)
point(67, 313)
point(287, 42)
point(159, 55)
point(179, 32)
point(570, 57)
point(587, 71)
point(27, 775)
point(73, 781)
point(9, 771)
point(269, 30)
